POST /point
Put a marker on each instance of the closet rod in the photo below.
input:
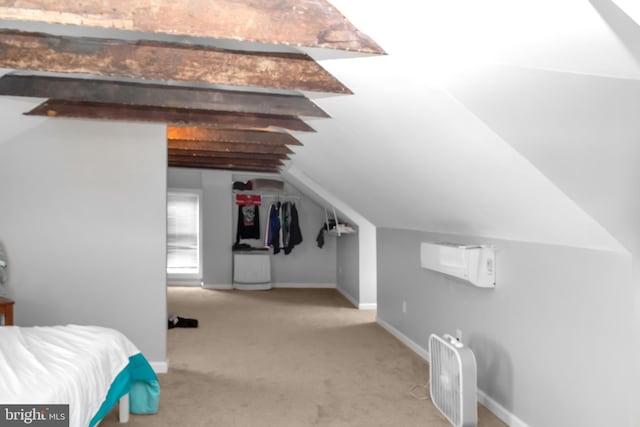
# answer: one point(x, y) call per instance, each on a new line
point(282, 196)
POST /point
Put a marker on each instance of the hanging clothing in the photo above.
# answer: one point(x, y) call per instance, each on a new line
point(281, 219)
point(320, 236)
point(273, 227)
point(294, 234)
point(267, 228)
point(282, 231)
point(285, 219)
point(325, 227)
point(248, 222)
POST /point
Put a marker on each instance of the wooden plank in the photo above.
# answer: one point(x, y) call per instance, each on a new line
point(234, 147)
point(223, 161)
point(130, 93)
point(137, 113)
point(224, 154)
point(181, 164)
point(312, 23)
point(164, 61)
point(195, 133)
point(229, 166)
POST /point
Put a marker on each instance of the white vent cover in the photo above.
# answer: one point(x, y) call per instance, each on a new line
point(452, 378)
point(474, 263)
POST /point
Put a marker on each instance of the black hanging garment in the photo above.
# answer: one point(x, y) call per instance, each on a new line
point(248, 222)
point(273, 239)
point(325, 227)
point(285, 224)
point(293, 228)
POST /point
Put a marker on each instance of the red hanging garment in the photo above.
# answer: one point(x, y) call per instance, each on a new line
point(248, 199)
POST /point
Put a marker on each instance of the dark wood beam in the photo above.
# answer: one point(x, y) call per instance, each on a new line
point(194, 133)
point(130, 93)
point(137, 113)
point(228, 166)
point(312, 23)
point(164, 61)
point(233, 147)
point(227, 160)
point(224, 154)
point(180, 164)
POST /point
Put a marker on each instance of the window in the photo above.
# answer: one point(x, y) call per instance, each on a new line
point(184, 258)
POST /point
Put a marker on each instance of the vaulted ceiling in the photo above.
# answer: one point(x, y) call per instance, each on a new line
point(227, 77)
point(515, 120)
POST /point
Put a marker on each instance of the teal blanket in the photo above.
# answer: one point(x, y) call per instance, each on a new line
point(140, 381)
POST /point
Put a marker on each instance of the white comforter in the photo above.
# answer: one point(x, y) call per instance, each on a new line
point(61, 364)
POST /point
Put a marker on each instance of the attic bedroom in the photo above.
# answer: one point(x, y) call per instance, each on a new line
point(512, 126)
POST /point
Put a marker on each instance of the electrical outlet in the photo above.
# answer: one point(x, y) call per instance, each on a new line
point(459, 334)
point(404, 306)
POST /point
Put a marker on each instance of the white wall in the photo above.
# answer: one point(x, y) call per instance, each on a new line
point(348, 266)
point(218, 237)
point(368, 250)
point(83, 220)
point(365, 256)
point(591, 157)
point(551, 340)
point(357, 269)
point(305, 265)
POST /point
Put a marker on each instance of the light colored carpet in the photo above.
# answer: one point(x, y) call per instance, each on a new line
point(286, 357)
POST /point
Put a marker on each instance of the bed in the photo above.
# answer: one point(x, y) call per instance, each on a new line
point(90, 368)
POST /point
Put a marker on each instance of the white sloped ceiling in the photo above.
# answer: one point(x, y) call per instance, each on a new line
point(582, 132)
point(485, 118)
point(631, 8)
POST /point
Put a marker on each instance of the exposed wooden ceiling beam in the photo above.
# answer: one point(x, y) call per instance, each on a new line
point(223, 161)
point(164, 61)
point(181, 164)
point(233, 147)
point(195, 133)
point(188, 163)
point(136, 113)
point(224, 154)
point(130, 93)
point(312, 23)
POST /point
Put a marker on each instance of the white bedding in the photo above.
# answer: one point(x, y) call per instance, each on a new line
point(71, 364)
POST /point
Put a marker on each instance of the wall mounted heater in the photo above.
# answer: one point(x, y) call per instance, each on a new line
point(452, 380)
point(474, 263)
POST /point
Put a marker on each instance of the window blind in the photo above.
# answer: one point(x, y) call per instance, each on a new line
point(183, 233)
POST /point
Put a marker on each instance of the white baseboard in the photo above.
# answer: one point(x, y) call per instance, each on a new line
point(305, 285)
point(226, 286)
point(160, 367)
point(355, 302)
point(497, 409)
point(405, 339)
point(183, 282)
point(348, 296)
point(252, 286)
point(218, 287)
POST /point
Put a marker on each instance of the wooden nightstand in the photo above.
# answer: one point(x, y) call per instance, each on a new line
point(6, 309)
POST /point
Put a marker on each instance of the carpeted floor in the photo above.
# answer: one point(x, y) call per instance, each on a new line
point(286, 357)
